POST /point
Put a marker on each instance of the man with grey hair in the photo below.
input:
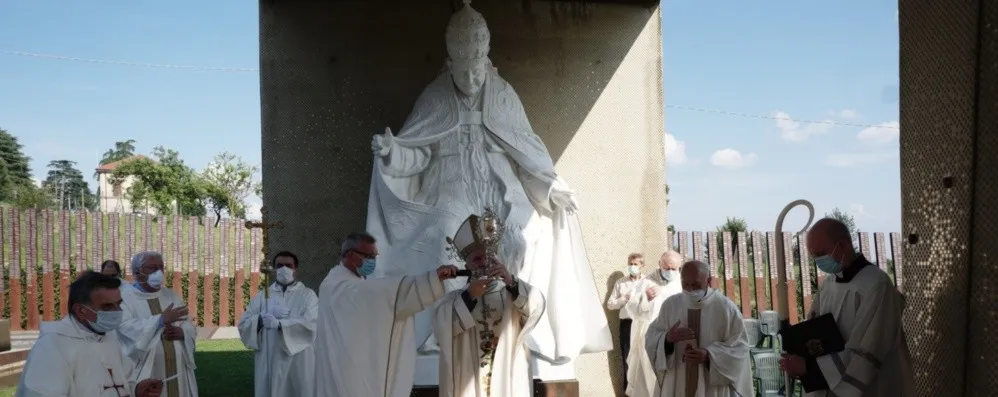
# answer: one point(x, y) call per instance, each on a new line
point(660, 285)
point(700, 335)
point(364, 334)
point(155, 331)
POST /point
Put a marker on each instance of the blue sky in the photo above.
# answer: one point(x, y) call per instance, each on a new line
point(834, 61)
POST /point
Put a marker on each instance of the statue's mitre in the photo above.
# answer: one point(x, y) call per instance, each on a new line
point(470, 236)
point(467, 35)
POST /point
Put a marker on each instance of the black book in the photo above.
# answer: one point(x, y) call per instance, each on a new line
point(811, 339)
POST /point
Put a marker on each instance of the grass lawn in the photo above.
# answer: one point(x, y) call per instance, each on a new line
point(225, 368)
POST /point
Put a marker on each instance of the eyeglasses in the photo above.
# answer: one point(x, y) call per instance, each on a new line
point(365, 255)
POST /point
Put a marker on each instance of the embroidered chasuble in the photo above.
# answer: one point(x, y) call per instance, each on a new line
point(143, 341)
point(483, 350)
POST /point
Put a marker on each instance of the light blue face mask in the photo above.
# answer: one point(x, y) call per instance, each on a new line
point(828, 264)
point(107, 321)
point(367, 267)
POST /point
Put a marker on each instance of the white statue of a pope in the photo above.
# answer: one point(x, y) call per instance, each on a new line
point(468, 145)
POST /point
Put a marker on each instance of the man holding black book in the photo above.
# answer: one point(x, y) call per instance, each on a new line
point(867, 309)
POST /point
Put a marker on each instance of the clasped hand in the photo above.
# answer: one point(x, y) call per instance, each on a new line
point(173, 332)
point(793, 365)
point(278, 309)
point(149, 388)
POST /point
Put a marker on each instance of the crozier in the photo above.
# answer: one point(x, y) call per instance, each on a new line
point(468, 145)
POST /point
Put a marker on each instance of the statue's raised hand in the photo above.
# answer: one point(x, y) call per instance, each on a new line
point(382, 143)
point(563, 197)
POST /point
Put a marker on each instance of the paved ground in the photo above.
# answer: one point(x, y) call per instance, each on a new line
point(25, 339)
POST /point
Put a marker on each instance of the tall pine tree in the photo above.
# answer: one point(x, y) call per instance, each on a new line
point(15, 171)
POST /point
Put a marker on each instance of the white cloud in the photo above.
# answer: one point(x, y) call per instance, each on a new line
point(857, 209)
point(38, 182)
point(675, 151)
point(845, 160)
point(732, 159)
point(253, 205)
point(794, 131)
point(880, 134)
point(848, 114)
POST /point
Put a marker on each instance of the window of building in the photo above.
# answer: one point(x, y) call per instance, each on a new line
point(116, 190)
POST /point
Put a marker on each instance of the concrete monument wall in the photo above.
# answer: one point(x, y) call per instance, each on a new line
point(589, 75)
point(949, 184)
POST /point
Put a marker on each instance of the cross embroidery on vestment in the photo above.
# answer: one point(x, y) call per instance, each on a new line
point(114, 386)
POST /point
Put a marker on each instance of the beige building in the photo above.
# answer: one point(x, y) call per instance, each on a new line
point(112, 196)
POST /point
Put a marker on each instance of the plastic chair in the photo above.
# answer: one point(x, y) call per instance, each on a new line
point(767, 373)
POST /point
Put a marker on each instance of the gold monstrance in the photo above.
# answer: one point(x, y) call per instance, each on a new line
point(265, 225)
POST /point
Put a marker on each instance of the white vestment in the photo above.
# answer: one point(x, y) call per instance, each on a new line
point(284, 362)
point(727, 372)
point(364, 334)
point(453, 157)
point(142, 340)
point(665, 290)
point(69, 360)
point(641, 376)
point(461, 334)
point(876, 361)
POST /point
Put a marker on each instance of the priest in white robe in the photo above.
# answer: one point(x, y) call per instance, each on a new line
point(714, 354)
point(280, 330)
point(79, 355)
point(156, 332)
point(867, 308)
point(658, 286)
point(365, 330)
point(482, 329)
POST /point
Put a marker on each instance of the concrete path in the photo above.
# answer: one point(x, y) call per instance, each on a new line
point(26, 339)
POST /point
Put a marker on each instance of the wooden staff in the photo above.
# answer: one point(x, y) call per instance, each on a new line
point(782, 294)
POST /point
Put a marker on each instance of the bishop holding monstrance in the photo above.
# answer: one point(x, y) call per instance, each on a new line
point(482, 328)
point(468, 145)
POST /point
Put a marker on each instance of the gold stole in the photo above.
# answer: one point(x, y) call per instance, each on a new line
point(693, 370)
point(169, 353)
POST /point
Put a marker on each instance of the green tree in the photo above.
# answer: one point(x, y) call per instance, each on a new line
point(121, 150)
point(164, 183)
point(15, 171)
point(66, 185)
point(845, 218)
point(229, 182)
point(733, 225)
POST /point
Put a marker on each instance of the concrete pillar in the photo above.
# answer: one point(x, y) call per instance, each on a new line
point(589, 75)
point(949, 175)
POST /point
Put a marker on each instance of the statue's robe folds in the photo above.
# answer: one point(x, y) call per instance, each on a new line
point(283, 359)
point(70, 360)
point(141, 336)
point(511, 316)
point(727, 372)
point(450, 160)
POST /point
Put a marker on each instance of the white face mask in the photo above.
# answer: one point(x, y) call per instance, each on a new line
point(633, 270)
point(669, 275)
point(285, 275)
point(155, 280)
point(696, 295)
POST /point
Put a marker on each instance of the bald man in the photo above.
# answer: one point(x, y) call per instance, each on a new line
point(719, 353)
point(666, 279)
point(867, 308)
